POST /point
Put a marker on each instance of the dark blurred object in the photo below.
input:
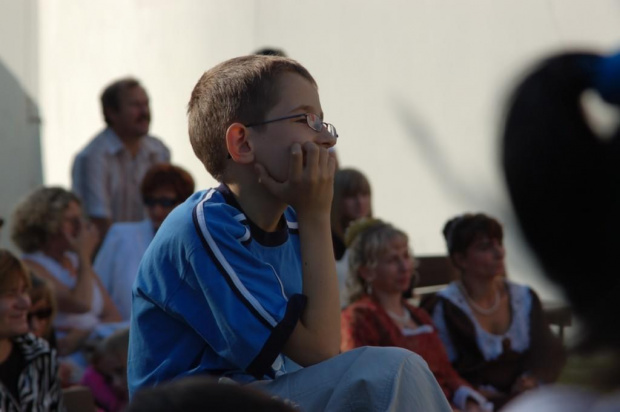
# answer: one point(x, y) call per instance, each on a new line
point(269, 51)
point(201, 393)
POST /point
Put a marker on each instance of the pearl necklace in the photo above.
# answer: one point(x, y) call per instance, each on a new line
point(403, 320)
point(483, 311)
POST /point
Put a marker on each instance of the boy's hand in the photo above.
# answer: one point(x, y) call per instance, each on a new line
point(310, 184)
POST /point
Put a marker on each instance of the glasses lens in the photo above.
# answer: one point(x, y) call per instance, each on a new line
point(40, 314)
point(314, 122)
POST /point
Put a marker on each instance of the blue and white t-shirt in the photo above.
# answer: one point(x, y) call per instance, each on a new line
point(215, 294)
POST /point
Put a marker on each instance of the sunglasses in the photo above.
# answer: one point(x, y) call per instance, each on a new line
point(161, 201)
point(40, 314)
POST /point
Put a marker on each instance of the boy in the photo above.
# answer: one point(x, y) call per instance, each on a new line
point(240, 280)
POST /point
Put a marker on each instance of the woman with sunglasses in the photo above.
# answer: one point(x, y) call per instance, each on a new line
point(42, 310)
point(58, 245)
point(164, 187)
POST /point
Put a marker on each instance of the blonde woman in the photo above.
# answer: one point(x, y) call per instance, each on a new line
point(58, 245)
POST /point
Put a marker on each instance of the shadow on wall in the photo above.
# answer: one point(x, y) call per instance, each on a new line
point(20, 148)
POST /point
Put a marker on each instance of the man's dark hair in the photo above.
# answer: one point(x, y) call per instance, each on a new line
point(111, 96)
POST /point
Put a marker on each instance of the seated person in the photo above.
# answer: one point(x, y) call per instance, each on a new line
point(164, 186)
point(351, 202)
point(106, 377)
point(58, 244)
point(381, 269)
point(240, 281)
point(28, 366)
point(494, 330)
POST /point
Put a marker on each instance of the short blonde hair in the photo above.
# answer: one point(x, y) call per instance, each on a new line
point(39, 216)
point(366, 241)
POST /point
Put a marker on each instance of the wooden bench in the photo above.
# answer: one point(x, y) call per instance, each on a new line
point(435, 272)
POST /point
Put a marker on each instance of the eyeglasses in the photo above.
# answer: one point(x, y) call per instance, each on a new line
point(314, 122)
point(40, 314)
point(161, 201)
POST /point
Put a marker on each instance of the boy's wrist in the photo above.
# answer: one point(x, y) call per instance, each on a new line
point(313, 217)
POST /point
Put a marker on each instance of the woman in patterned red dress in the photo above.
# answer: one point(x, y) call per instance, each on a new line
point(381, 269)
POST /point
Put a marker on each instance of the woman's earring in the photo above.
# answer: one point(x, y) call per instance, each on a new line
point(368, 288)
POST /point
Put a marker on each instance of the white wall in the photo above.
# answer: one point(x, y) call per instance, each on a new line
point(415, 87)
point(20, 152)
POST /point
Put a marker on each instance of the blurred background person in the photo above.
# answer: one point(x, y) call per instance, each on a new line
point(494, 330)
point(106, 377)
point(58, 245)
point(270, 51)
point(382, 267)
point(106, 174)
point(351, 201)
point(164, 187)
point(561, 160)
point(28, 366)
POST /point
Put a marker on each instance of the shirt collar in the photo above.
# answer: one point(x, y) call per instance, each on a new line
point(115, 144)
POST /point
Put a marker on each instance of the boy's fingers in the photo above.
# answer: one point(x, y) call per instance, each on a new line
point(312, 157)
point(323, 161)
point(331, 163)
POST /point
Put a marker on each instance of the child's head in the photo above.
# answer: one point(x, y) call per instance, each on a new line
point(110, 359)
point(240, 91)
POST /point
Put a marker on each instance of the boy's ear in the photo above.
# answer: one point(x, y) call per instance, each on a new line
point(238, 145)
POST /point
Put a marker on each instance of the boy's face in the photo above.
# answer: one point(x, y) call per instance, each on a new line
point(272, 144)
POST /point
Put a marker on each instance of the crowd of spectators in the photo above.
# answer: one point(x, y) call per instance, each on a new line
point(131, 279)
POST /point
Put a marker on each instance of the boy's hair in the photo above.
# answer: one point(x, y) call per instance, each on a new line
point(241, 90)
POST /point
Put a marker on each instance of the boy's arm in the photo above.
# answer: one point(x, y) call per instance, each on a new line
point(309, 191)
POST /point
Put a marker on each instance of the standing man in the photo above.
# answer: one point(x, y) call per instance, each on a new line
point(107, 172)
